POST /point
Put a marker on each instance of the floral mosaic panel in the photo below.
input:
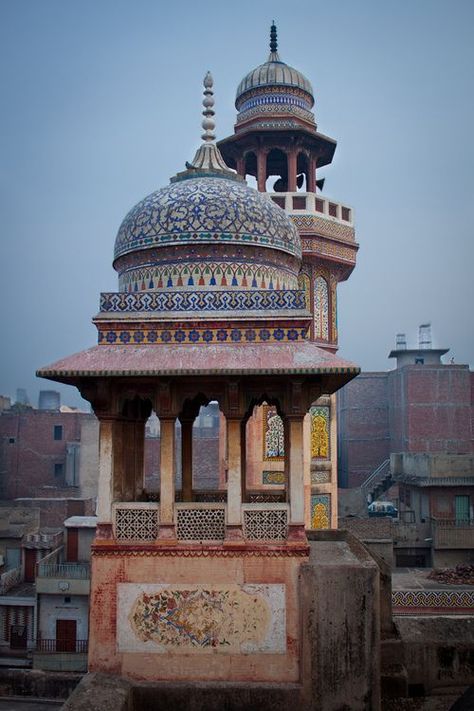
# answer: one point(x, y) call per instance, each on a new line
point(273, 434)
point(320, 477)
point(320, 446)
point(321, 511)
point(304, 284)
point(181, 618)
point(269, 477)
point(321, 308)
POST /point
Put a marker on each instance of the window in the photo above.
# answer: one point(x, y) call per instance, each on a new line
point(58, 432)
point(419, 361)
point(58, 469)
point(11, 440)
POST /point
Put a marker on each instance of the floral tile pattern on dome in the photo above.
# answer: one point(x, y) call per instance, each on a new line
point(196, 336)
point(201, 301)
point(179, 618)
point(206, 210)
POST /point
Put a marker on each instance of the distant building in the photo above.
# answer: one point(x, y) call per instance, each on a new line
point(422, 406)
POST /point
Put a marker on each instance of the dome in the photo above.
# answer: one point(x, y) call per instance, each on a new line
point(273, 74)
point(206, 210)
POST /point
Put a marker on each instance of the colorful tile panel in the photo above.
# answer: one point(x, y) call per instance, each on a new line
point(320, 437)
point(321, 309)
point(269, 477)
point(321, 511)
point(273, 439)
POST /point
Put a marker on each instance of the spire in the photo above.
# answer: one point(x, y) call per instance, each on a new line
point(273, 57)
point(208, 156)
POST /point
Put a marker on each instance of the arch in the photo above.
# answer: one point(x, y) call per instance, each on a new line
point(277, 171)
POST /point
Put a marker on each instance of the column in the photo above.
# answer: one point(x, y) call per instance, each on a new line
point(234, 478)
point(105, 487)
point(311, 175)
point(296, 477)
point(243, 460)
point(187, 459)
point(167, 476)
point(291, 158)
point(240, 166)
point(261, 170)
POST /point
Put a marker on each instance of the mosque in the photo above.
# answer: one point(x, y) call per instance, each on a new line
point(225, 294)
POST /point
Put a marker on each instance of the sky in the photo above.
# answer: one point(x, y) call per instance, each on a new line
point(101, 103)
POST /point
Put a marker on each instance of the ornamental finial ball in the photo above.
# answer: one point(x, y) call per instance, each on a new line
point(208, 122)
point(273, 38)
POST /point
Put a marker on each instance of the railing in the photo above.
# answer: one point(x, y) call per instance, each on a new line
point(265, 522)
point(44, 540)
point(9, 579)
point(53, 646)
point(309, 202)
point(75, 571)
point(196, 521)
point(200, 521)
point(136, 521)
point(377, 476)
point(452, 533)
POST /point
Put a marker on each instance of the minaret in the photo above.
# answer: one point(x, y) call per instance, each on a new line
point(276, 136)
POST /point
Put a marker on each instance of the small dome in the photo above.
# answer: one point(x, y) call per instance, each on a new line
point(206, 210)
point(273, 74)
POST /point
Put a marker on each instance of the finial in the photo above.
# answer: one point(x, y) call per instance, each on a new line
point(208, 156)
point(273, 38)
point(208, 122)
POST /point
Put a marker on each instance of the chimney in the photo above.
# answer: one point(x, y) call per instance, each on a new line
point(401, 342)
point(424, 336)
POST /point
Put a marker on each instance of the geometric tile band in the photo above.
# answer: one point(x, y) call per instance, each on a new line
point(205, 300)
point(127, 335)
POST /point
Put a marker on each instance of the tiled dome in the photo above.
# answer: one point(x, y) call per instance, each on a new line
point(206, 210)
point(273, 74)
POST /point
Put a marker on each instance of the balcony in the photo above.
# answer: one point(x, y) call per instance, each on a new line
point(449, 533)
point(298, 203)
point(55, 576)
point(61, 655)
point(9, 579)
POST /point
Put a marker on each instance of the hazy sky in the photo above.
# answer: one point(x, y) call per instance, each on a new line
point(101, 105)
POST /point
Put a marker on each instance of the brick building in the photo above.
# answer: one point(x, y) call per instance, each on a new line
point(422, 406)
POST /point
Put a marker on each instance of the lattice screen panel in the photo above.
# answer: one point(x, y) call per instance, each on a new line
point(136, 524)
point(266, 525)
point(196, 524)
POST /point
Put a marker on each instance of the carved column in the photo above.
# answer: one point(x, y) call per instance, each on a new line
point(106, 457)
point(311, 176)
point(291, 158)
point(240, 166)
point(261, 170)
point(187, 458)
point(167, 476)
point(234, 476)
point(296, 472)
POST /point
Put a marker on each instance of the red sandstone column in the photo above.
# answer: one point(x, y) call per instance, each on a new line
point(296, 475)
point(105, 488)
point(234, 477)
point(311, 176)
point(291, 156)
point(240, 166)
point(167, 475)
point(261, 170)
point(187, 459)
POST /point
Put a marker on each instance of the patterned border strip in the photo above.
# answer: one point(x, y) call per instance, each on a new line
point(433, 601)
point(197, 336)
point(265, 551)
point(205, 300)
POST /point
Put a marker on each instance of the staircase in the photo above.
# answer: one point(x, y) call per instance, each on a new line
point(379, 481)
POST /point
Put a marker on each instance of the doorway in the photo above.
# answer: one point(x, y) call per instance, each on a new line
point(66, 635)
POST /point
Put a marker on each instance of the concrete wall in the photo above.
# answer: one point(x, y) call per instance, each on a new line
point(340, 597)
point(439, 651)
